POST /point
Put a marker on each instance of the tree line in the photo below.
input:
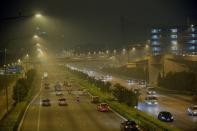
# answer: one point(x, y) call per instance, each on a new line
point(23, 85)
point(121, 93)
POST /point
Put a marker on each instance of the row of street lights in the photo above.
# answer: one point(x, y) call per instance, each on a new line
point(19, 61)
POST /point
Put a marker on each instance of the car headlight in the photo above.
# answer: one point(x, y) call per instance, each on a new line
point(172, 117)
point(149, 103)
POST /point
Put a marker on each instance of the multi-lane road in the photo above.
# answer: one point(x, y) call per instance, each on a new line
point(176, 106)
point(82, 116)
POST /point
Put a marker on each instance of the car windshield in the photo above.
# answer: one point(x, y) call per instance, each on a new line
point(104, 105)
point(167, 114)
point(63, 99)
point(151, 89)
point(152, 98)
point(47, 100)
point(194, 107)
point(130, 123)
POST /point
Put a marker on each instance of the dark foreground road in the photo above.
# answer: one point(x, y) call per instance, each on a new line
point(81, 116)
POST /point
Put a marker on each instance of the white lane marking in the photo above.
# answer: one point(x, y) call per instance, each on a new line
point(118, 114)
point(25, 113)
point(38, 123)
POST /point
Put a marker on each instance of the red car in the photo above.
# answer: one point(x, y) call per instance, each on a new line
point(103, 107)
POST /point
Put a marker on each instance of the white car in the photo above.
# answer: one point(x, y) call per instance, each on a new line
point(151, 91)
point(151, 100)
point(192, 110)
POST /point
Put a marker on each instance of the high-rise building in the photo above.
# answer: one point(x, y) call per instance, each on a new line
point(191, 40)
point(156, 41)
point(175, 40)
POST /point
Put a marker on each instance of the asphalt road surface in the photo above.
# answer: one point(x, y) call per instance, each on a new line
point(82, 116)
point(177, 107)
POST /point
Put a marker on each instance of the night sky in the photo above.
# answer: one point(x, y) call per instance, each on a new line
point(90, 24)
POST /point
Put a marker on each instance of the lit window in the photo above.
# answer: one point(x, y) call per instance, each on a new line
point(155, 30)
point(174, 30)
point(192, 41)
point(155, 43)
point(174, 42)
point(192, 48)
point(155, 37)
point(193, 29)
point(156, 49)
point(173, 36)
point(193, 35)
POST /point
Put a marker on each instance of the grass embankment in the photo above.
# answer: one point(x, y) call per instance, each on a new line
point(11, 121)
point(146, 121)
point(9, 80)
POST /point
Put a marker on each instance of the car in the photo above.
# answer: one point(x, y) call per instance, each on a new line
point(62, 102)
point(129, 125)
point(46, 102)
point(165, 116)
point(136, 90)
point(192, 110)
point(58, 93)
point(151, 100)
point(151, 91)
point(132, 82)
point(103, 107)
point(142, 83)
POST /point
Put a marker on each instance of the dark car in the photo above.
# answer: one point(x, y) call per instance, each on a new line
point(165, 116)
point(62, 102)
point(46, 102)
point(129, 126)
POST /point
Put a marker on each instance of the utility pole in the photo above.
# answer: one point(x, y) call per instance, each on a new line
point(5, 81)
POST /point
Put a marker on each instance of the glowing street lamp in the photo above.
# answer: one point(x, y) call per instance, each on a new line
point(107, 51)
point(27, 55)
point(36, 36)
point(114, 51)
point(146, 46)
point(38, 45)
point(124, 51)
point(19, 61)
point(38, 15)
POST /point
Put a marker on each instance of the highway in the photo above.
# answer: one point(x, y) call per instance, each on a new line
point(82, 116)
point(172, 104)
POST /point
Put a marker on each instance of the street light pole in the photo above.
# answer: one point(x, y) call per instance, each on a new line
point(5, 80)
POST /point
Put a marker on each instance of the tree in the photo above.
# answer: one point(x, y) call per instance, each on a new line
point(20, 90)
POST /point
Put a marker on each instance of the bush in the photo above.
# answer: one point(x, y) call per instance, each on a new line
point(124, 95)
point(20, 90)
point(22, 86)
